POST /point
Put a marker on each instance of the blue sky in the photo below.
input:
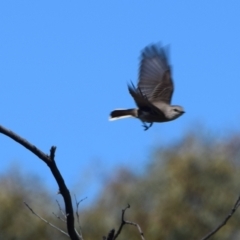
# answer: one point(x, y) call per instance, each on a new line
point(66, 64)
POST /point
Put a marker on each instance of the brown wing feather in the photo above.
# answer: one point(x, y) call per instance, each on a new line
point(155, 75)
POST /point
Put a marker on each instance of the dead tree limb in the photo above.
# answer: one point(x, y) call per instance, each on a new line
point(50, 161)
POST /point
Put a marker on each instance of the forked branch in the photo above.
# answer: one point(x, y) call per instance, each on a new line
point(50, 161)
point(128, 222)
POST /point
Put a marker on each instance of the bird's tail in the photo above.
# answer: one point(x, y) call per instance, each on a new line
point(122, 113)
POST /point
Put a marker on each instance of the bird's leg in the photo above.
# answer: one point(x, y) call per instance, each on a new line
point(149, 126)
point(146, 127)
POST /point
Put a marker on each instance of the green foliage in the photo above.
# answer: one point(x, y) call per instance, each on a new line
point(186, 191)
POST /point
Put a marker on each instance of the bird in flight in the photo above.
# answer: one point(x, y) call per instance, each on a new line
point(153, 92)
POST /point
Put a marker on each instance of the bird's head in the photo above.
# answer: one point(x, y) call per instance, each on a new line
point(175, 112)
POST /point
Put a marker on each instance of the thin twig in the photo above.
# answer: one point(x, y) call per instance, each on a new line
point(77, 205)
point(128, 222)
point(58, 217)
point(235, 207)
point(44, 220)
point(138, 227)
point(77, 210)
point(77, 215)
point(60, 209)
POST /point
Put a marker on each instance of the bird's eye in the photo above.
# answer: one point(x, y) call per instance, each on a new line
point(175, 110)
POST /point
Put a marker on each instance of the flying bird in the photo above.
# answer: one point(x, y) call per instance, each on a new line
point(154, 90)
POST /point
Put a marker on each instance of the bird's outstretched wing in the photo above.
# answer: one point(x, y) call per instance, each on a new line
point(155, 80)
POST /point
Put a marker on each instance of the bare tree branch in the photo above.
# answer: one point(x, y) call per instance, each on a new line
point(110, 235)
point(50, 161)
point(44, 220)
point(122, 222)
point(138, 227)
point(127, 222)
point(235, 207)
